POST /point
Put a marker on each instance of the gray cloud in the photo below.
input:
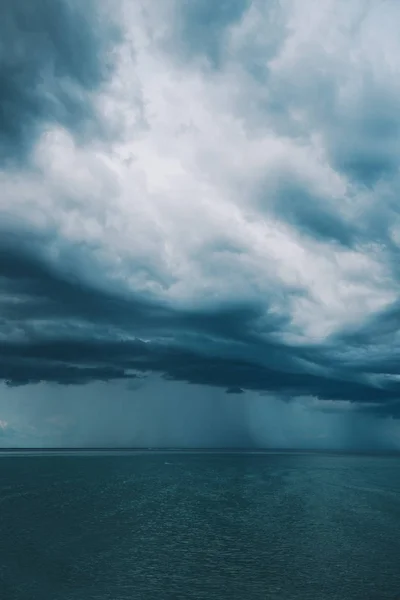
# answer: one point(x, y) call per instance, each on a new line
point(53, 55)
point(236, 230)
point(76, 334)
point(203, 24)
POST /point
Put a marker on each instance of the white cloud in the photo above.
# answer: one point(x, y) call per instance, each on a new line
point(180, 200)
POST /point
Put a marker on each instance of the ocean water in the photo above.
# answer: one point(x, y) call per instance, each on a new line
point(156, 526)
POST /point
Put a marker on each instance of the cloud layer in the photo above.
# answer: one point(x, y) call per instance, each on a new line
point(206, 193)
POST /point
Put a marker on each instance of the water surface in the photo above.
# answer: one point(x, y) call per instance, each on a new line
point(172, 526)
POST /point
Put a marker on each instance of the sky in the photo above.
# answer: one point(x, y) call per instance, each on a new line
point(200, 223)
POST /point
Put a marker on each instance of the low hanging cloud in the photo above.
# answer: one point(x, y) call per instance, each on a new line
point(206, 193)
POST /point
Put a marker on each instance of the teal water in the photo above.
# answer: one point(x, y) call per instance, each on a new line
point(186, 526)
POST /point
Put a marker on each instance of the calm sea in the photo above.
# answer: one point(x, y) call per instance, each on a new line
point(172, 526)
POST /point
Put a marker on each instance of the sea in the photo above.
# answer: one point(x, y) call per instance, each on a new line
point(199, 525)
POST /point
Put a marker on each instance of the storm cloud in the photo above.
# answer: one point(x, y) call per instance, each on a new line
point(203, 195)
point(53, 56)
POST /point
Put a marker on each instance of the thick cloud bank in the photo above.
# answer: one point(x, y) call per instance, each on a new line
point(203, 192)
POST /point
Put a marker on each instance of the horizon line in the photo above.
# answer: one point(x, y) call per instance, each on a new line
point(217, 449)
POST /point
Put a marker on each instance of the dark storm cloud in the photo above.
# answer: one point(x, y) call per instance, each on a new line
point(80, 361)
point(371, 132)
point(65, 320)
point(202, 24)
point(235, 390)
point(381, 327)
point(313, 216)
point(53, 53)
point(56, 329)
point(361, 136)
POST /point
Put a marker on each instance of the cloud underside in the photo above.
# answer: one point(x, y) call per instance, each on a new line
point(64, 332)
point(206, 194)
